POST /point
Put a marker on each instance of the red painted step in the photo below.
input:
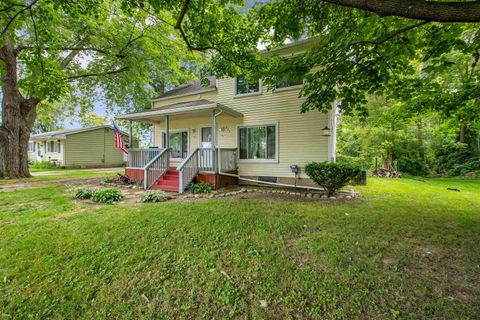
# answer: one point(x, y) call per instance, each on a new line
point(168, 182)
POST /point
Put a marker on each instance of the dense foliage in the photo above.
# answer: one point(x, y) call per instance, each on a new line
point(415, 143)
point(331, 176)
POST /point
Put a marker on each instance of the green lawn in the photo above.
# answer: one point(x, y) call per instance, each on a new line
point(59, 173)
point(407, 250)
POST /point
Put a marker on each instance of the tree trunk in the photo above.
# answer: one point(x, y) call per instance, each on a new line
point(463, 132)
point(478, 145)
point(18, 118)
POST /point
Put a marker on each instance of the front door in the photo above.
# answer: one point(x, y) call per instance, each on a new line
point(206, 156)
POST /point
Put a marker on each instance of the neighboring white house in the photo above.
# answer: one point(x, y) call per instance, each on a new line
point(259, 134)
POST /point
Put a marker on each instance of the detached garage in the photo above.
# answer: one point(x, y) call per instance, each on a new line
point(78, 148)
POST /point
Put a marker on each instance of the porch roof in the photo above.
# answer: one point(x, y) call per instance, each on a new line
point(189, 109)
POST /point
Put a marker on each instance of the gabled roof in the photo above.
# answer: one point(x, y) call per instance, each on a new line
point(190, 88)
point(62, 134)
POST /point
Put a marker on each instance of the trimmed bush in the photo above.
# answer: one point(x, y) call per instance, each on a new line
point(83, 193)
point(331, 176)
point(154, 196)
point(107, 196)
point(201, 187)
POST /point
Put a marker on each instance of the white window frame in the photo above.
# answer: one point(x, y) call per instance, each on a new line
point(176, 131)
point(31, 146)
point(55, 143)
point(235, 95)
point(277, 143)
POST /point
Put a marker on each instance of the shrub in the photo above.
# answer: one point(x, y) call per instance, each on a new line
point(43, 165)
point(109, 180)
point(83, 193)
point(331, 176)
point(154, 196)
point(201, 187)
point(107, 196)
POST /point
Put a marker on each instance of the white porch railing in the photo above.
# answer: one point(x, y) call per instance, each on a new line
point(156, 168)
point(139, 158)
point(207, 159)
point(187, 170)
point(227, 159)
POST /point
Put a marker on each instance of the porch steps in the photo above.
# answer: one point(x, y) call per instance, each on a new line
point(168, 182)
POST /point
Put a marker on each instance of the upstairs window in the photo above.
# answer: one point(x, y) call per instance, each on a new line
point(258, 142)
point(289, 82)
point(243, 87)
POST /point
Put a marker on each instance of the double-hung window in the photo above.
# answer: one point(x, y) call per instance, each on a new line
point(244, 87)
point(31, 147)
point(53, 146)
point(258, 142)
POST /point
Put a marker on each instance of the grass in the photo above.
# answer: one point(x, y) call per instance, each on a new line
point(59, 173)
point(408, 250)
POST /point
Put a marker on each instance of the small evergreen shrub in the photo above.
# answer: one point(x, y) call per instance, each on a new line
point(331, 176)
point(154, 196)
point(107, 196)
point(201, 187)
point(83, 193)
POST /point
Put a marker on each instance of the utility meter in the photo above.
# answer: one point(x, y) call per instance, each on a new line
point(294, 168)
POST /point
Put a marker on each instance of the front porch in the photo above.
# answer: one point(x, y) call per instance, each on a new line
point(186, 151)
point(153, 167)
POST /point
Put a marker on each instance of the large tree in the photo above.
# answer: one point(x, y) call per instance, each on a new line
point(78, 52)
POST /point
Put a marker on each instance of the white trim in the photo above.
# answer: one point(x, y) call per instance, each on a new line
point(277, 143)
point(159, 112)
point(332, 139)
point(239, 95)
point(184, 94)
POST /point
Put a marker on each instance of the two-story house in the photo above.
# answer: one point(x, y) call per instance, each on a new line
point(232, 129)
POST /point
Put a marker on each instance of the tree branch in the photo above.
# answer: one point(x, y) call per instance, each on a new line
point(392, 35)
point(17, 14)
point(98, 74)
point(184, 10)
point(453, 11)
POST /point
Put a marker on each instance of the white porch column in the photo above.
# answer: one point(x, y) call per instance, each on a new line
point(214, 129)
point(130, 139)
point(167, 132)
point(214, 141)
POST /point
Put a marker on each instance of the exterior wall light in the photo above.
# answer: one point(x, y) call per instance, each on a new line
point(326, 131)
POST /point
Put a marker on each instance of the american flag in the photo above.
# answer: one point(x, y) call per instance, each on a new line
point(118, 139)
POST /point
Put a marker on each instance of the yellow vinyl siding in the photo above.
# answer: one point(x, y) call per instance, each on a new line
point(300, 139)
point(299, 135)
